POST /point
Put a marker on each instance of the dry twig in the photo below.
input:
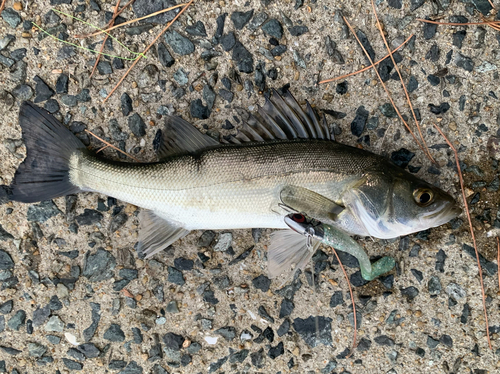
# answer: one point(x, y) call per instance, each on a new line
point(379, 26)
point(112, 21)
point(147, 49)
point(2, 5)
point(368, 67)
point(383, 85)
point(459, 171)
point(355, 318)
point(110, 145)
point(109, 28)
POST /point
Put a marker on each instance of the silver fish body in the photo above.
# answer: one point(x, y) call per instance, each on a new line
point(284, 160)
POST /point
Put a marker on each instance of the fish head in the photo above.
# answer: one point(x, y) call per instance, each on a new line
point(391, 203)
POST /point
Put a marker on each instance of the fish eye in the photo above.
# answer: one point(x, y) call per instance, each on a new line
point(299, 218)
point(423, 196)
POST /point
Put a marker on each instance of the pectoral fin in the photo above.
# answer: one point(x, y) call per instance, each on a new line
point(311, 203)
point(288, 252)
point(156, 233)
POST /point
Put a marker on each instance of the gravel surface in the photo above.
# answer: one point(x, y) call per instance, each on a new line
point(74, 295)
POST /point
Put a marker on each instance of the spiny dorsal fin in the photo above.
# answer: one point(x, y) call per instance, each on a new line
point(180, 136)
point(282, 117)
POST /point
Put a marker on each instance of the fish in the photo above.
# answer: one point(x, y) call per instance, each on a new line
point(283, 159)
point(314, 230)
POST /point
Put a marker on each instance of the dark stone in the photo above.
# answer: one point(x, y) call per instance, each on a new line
point(89, 350)
point(446, 340)
point(441, 109)
point(6, 261)
point(175, 276)
point(412, 84)
point(258, 359)
point(286, 309)
point(99, 266)
point(209, 96)
point(396, 4)
point(227, 332)
point(284, 328)
point(359, 122)
point(144, 7)
point(55, 304)
point(366, 44)
point(240, 19)
point(198, 29)
point(434, 286)
point(482, 6)
point(238, 356)
point(89, 217)
point(6, 307)
point(433, 80)
point(118, 221)
point(402, 157)
point(415, 4)
point(336, 299)
point(116, 364)
point(17, 320)
point(278, 50)
point(22, 92)
point(76, 354)
point(164, 56)
point(132, 368)
point(429, 29)
point(71, 364)
point(214, 366)
point(341, 88)
point(298, 30)
point(417, 274)
point(420, 352)
point(433, 53)
point(173, 341)
point(182, 263)
point(384, 340)
point(243, 58)
point(42, 90)
point(410, 292)
point(114, 333)
point(488, 266)
point(136, 125)
point(226, 95)
point(206, 238)
point(228, 41)
point(220, 27)
point(273, 28)
point(440, 259)
point(51, 106)
point(276, 351)
point(264, 314)
point(10, 16)
point(18, 54)
point(465, 314)
point(464, 62)
point(306, 328)
point(458, 38)
point(138, 30)
point(257, 21)
point(126, 104)
point(198, 110)
point(180, 44)
point(262, 283)
point(104, 68)
point(388, 110)
point(364, 345)
point(42, 212)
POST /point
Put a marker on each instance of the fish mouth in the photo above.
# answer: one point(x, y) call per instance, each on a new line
point(442, 216)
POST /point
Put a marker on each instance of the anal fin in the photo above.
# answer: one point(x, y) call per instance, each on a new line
point(288, 252)
point(156, 233)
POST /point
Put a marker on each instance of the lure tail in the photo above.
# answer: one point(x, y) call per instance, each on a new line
point(45, 172)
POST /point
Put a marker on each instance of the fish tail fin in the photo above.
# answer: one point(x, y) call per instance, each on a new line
point(45, 172)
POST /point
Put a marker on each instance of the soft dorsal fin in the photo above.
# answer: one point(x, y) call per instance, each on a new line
point(282, 117)
point(156, 233)
point(180, 136)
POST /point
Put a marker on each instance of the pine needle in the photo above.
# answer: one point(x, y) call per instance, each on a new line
point(129, 22)
point(368, 67)
point(110, 145)
point(459, 171)
point(2, 5)
point(147, 49)
point(355, 318)
point(384, 86)
point(379, 26)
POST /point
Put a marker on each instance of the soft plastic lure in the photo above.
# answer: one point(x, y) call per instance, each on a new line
point(329, 235)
